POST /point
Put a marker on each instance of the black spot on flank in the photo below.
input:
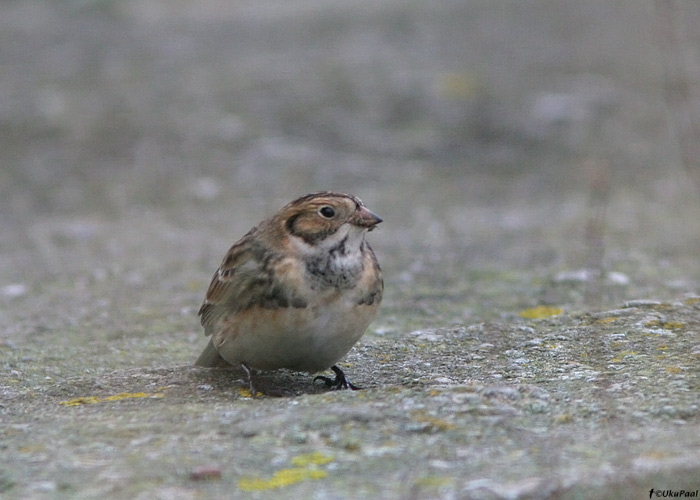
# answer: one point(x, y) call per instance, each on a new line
point(276, 298)
point(279, 296)
point(299, 303)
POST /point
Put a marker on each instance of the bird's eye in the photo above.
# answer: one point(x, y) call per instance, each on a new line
point(326, 212)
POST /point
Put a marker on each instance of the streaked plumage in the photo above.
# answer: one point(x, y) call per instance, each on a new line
point(297, 291)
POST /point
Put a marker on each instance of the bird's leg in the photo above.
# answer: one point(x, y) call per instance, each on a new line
point(337, 383)
point(249, 373)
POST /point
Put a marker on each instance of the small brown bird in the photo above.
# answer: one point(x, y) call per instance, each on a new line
point(297, 292)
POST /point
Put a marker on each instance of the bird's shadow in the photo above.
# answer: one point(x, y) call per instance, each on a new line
point(280, 383)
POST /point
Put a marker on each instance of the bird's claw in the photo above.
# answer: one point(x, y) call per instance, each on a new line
point(339, 382)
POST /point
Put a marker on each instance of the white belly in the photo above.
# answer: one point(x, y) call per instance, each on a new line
point(306, 339)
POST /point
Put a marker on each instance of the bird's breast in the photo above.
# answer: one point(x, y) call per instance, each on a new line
point(309, 339)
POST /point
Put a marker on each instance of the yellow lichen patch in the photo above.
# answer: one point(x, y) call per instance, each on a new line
point(33, 448)
point(280, 479)
point(87, 400)
point(666, 325)
point(674, 370)
point(126, 395)
point(245, 393)
point(620, 356)
point(605, 321)
point(458, 85)
point(434, 424)
point(692, 300)
point(433, 481)
point(540, 312)
point(563, 418)
point(84, 400)
point(656, 455)
point(305, 468)
point(673, 325)
point(315, 458)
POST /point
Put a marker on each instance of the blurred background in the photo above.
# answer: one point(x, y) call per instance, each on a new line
point(521, 152)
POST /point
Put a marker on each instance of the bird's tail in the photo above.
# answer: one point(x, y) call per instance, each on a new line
point(210, 357)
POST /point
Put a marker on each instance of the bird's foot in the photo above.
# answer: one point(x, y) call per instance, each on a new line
point(249, 373)
point(337, 383)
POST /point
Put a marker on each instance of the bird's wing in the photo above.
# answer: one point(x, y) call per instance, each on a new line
point(234, 287)
point(225, 296)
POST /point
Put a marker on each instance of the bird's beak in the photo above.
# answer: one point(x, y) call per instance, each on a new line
point(366, 218)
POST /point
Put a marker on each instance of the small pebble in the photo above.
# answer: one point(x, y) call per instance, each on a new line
point(617, 278)
point(641, 303)
point(14, 290)
point(205, 473)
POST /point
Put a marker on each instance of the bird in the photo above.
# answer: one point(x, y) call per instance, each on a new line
point(296, 292)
